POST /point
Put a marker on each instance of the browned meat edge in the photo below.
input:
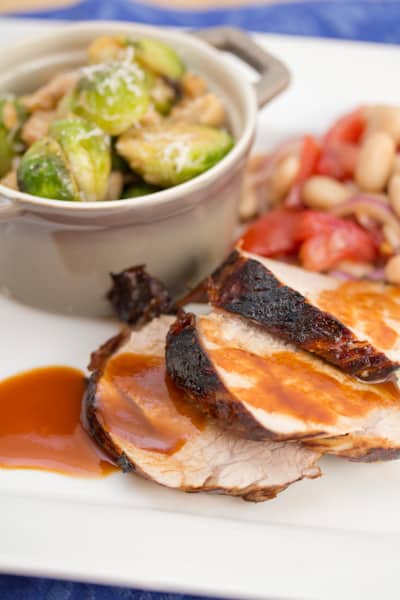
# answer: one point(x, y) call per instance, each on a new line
point(138, 297)
point(89, 418)
point(101, 437)
point(191, 370)
point(245, 287)
point(376, 455)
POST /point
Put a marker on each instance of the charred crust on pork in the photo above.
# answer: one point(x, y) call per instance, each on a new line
point(96, 429)
point(191, 370)
point(187, 363)
point(137, 297)
point(90, 420)
point(245, 287)
point(99, 357)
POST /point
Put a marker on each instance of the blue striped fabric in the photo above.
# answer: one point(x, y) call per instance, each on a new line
point(370, 20)
point(373, 20)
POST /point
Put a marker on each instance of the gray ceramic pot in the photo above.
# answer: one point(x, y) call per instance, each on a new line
point(58, 256)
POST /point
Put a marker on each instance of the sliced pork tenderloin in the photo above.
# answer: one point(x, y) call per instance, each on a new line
point(263, 388)
point(137, 415)
point(354, 325)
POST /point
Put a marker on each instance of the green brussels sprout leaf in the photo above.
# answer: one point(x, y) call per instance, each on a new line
point(43, 171)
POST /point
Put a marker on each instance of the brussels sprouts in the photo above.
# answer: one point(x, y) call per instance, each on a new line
point(87, 152)
point(43, 171)
point(159, 58)
point(139, 189)
point(173, 152)
point(113, 95)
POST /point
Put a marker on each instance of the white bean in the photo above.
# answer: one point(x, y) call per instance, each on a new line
point(375, 162)
point(324, 192)
point(282, 178)
point(394, 192)
point(384, 118)
point(392, 270)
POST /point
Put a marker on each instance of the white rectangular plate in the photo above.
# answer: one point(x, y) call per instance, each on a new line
point(336, 537)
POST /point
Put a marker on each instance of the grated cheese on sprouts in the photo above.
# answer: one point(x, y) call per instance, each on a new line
point(108, 77)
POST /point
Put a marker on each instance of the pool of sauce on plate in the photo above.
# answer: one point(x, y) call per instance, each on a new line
point(139, 404)
point(365, 306)
point(40, 424)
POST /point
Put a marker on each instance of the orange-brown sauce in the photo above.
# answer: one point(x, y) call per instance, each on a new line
point(138, 403)
point(40, 424)
point(365, 305)
point(286, 383)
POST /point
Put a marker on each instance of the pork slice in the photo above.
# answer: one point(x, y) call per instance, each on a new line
point(138, 416)
point(353, 325)
point(264, 388)
point(376, 439)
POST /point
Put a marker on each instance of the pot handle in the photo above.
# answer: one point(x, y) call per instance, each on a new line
point(274, 76)
point(9, 210)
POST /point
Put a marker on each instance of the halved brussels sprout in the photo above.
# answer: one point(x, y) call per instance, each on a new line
point(159, 58)
point(88, 154)
point(173, 152)
point(135, 190)
point(113, 95)
point(43, 171)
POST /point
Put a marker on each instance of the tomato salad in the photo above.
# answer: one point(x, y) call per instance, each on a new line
point(332, 203)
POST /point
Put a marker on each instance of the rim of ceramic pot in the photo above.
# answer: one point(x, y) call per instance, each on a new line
point(173, 194)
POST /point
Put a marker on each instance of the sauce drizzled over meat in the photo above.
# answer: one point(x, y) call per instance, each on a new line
point(365, 306)
point(40, 424)
point(291, 385)
point(143, 407)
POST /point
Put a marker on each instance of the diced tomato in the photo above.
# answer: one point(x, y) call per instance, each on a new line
point(328, 240)
point(321, 239)
point(274, 234)
point(338, 160)
point(340, 146)
point(309, 156)
point(348, 129)
point(315, 222)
